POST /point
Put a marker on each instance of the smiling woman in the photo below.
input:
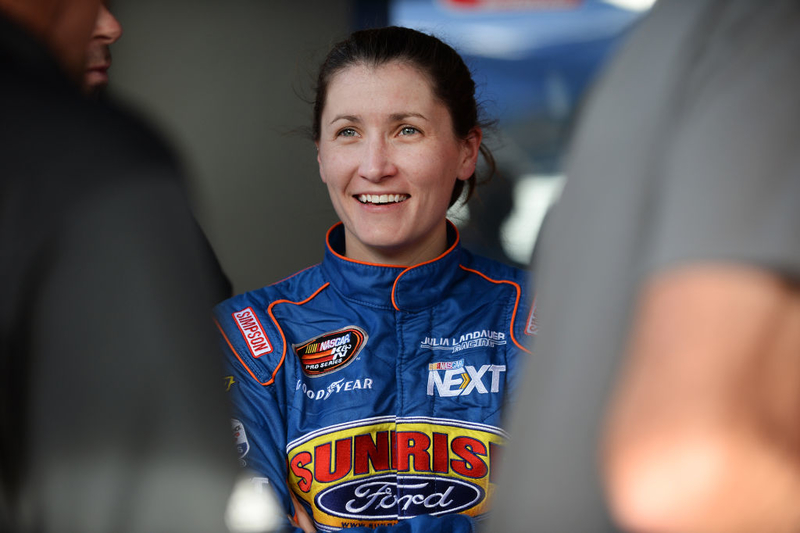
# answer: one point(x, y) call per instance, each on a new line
point(390, 159)
point(376, 392)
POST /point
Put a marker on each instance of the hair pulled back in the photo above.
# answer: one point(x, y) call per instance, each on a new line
point(449, 77)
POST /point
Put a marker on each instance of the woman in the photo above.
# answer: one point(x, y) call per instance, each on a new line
point(372, 384)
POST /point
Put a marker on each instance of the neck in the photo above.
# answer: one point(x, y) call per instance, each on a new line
point(428, 250)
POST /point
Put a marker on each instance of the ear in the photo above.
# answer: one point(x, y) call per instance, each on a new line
point(319, 162)
point(470, 148)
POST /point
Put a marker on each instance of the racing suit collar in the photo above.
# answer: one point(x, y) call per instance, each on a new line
point(388, 286)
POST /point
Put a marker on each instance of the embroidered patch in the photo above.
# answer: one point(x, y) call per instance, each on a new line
point(454, 378)
point(240, 438)
point(532, 328)
point(330, 351)
point(252, 331)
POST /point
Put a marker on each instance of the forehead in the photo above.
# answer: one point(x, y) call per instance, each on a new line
point(368, 87)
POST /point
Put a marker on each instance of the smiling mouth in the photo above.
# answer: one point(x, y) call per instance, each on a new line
point(380, 199)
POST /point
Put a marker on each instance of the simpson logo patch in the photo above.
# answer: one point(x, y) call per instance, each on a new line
point(331, 351)
point(252, 331)
point(378, 471)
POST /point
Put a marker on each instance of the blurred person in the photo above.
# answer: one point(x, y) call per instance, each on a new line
point(111, 414)
point(664, 396)
point(369, 390)
point(107, 31)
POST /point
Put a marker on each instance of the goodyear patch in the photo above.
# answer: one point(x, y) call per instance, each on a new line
point(330, 351)
point(382, 470)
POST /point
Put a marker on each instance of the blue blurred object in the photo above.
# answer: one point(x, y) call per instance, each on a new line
point(532, 65)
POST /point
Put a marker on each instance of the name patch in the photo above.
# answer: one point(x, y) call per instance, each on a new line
point(252, 331)
point(330, 351)
point(474, 339)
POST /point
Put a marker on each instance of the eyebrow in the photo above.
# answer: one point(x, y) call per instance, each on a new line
point(401, 116)
point(349, 118)
point(394, 117)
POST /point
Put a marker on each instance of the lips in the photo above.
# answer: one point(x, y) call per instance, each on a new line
point(381, 199)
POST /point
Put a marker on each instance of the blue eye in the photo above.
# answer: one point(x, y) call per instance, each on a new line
point(408, 130)
point(347, 132)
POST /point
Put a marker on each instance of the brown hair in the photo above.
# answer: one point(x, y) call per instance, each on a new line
point(450, 79)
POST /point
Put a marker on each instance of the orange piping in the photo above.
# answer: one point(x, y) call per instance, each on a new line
point(394, 285)
point(280, 330)
point(385, 265)
point(345, 258)
point(239, 358)
point(516, 303)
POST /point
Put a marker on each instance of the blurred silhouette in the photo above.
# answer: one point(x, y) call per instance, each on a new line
point(112, 415)
point(663, 395)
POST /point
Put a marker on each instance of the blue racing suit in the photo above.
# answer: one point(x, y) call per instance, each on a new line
point(375, 393)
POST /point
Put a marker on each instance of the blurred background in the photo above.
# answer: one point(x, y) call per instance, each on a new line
point(229, 84)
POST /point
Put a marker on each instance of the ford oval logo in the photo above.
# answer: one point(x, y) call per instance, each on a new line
point(391, 497)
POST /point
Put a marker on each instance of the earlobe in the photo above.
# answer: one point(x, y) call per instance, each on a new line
point(471, 149)
point(319, 163)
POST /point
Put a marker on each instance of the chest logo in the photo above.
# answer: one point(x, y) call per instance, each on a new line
point(454, 378)
point(330, 351)
point(381, 470)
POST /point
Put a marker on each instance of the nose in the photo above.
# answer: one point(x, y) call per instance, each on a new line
point(377, 161)
point(107, 28)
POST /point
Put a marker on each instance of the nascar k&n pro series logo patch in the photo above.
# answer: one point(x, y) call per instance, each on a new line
point(330, 351)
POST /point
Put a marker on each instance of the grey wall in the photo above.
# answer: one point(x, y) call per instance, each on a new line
point(220, 80)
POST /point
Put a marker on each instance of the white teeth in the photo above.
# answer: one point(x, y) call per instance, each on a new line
point(382, 198)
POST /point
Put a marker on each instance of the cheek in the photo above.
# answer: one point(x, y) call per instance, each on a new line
point(434, 173)
point(333, 168)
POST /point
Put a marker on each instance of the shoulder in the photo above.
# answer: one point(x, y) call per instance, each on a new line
point(56, 135)
point(61, 149)
point(494, 270)
point(516, 286)
point(255, 339)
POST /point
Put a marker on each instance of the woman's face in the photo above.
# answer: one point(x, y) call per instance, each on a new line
point(390, 158)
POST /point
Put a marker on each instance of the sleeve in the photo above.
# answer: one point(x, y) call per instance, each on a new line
point(730, 176)
point(127, 420)
point(258, 423)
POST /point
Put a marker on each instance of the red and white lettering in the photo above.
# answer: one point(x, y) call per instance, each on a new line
point(252, 331)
